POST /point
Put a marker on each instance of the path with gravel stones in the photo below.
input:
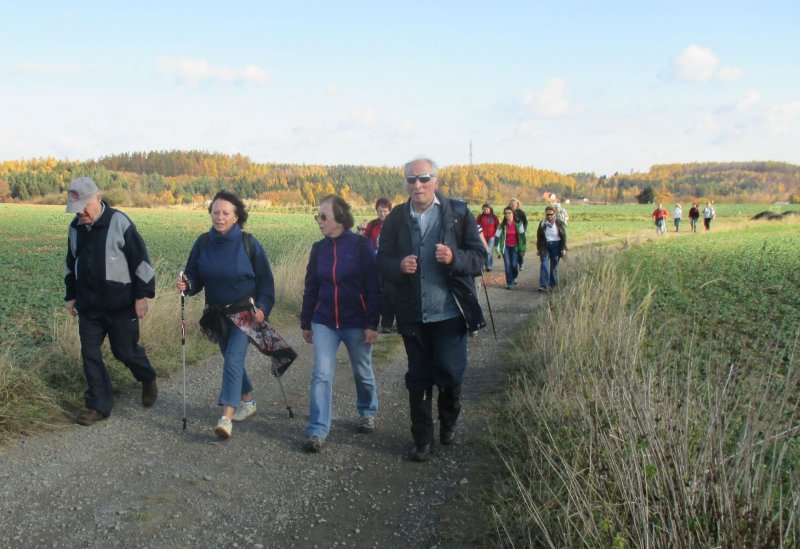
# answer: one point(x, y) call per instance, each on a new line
point(139, 480)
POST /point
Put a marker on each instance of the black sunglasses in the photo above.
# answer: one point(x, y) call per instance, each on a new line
point(424, 178)
point(323, 217)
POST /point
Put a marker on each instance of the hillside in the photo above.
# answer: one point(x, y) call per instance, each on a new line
point(177, 177)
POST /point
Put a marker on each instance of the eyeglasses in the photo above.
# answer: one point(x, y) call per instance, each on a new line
point(323, 217)
point(423, 178)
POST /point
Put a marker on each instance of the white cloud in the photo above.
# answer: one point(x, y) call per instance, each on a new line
point(748, 101)
point(730, 74)
point(551, 101)
point(780, 117)
point(50, 70)
point(196, 71)
point(696, 64)
point(699, 64)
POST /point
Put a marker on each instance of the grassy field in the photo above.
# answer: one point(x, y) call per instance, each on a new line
point(34, 245)
point(660, 407)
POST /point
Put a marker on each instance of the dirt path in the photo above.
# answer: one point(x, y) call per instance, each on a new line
point(138, 480)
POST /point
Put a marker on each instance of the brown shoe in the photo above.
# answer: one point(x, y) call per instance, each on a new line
point(149, 393)
point(90, 417)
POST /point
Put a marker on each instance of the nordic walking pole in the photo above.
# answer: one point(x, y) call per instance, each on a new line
point(275, 373)
point(183, 350)
point(274, 369)
point(488, 304)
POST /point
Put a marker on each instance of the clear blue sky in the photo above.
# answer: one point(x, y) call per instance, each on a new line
point(568, 86)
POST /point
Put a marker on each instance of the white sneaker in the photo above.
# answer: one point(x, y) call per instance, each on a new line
point(245, 410)
point(224, 427)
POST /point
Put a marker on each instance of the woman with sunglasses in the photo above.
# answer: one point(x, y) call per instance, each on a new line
point(341, 304)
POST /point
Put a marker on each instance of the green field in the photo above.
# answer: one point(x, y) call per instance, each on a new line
point(34, 248)
point(34, 245)
point(739, 286)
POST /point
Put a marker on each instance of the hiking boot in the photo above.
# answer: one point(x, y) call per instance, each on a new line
point(447, 436)
point(420, 453)
point(509, 286)
point(366, 424)
point(542, 289)
point(246, 409)
point(224, 428)
point(314, 444)
point(89, 417)
point(149, 393)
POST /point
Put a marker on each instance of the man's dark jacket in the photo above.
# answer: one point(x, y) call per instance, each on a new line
point(107, 267)
point(459, 232)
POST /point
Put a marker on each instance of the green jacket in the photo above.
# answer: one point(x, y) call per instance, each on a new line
point(500, 242)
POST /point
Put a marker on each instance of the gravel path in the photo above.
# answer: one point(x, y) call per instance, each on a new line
point(139, 480)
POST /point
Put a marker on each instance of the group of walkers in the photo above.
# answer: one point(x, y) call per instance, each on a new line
point(660, 216)
point(508, 241)
point(414, 265)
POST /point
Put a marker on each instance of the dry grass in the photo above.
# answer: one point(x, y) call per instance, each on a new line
point(51, 381)
point(611, 445)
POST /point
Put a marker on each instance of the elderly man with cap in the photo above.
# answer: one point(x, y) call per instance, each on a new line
point(108, 280)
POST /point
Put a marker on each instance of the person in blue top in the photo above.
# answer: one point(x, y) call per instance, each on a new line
point(221, 263)
point(341, 303)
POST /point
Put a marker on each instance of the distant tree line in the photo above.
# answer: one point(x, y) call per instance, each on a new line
point(184, 177)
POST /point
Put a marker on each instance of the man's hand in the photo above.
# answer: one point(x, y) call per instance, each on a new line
point(408, 265)
point(444, 254)
point(71, 307)
point(141, 308)
point(308, 336)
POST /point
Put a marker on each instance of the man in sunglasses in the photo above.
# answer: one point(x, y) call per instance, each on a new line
point(430, 251)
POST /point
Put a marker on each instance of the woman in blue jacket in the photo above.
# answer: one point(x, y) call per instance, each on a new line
point(232, 275)
point(341, 303)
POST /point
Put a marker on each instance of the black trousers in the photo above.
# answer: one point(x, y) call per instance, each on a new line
point(123, 335)
point(437, 355)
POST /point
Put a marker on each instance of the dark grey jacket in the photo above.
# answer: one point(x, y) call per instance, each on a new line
point(460, 232)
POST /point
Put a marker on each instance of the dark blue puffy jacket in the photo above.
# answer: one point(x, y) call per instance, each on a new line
point(342, 287)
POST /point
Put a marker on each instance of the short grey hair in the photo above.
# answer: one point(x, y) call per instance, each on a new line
point(421, 158)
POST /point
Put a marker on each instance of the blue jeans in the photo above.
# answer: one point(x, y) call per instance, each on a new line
point(490, 253)
point(548, 273)
point(235, 381)
point(326, 344)
point(511, 263)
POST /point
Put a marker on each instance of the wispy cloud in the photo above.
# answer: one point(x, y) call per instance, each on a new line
point(551, 101)
point(197, 71)
point(781, 117)
point(699, 64)
point(748, 101)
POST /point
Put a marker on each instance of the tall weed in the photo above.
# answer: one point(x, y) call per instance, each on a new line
point(612, 441)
